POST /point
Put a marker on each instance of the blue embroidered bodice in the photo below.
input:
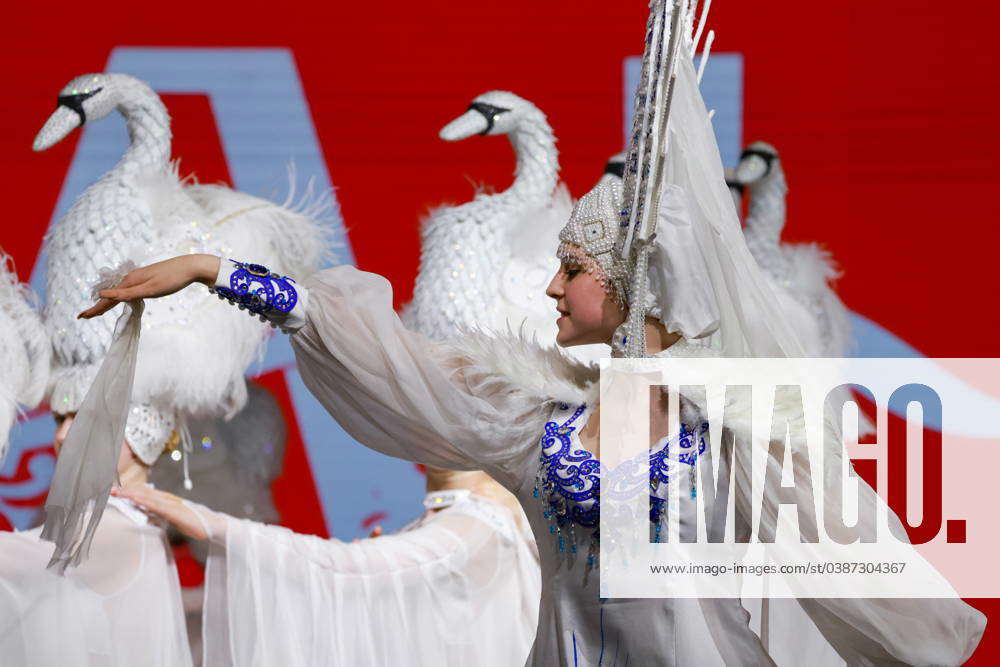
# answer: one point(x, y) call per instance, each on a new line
point(256, 289)
point(569, 477)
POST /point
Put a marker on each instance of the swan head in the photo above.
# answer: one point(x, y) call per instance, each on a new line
point(736, 189)
point(86, 98)
point(495, 112)
point(614, 168)
point(758, 161)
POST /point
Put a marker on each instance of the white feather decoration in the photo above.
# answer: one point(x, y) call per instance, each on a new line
point(215, 341)
point(466, 249)
point(25, 352)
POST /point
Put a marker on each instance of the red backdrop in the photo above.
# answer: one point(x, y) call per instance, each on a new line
point(883, 113)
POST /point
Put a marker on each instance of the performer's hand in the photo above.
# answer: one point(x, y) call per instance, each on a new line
point(159, 279)
point(166, 506)
point(376, 532)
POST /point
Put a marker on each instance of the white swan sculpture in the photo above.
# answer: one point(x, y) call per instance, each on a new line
point(486, 262)
point(140, 212)
point(803, 270)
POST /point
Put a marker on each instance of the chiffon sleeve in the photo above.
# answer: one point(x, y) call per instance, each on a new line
point(862, 630)
point(397, 392)
point(277, 597)
point(392, 389)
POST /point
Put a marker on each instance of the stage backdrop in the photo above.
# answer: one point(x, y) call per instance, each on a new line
point(882, 113)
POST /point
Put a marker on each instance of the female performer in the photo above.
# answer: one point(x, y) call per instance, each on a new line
point(529, 417)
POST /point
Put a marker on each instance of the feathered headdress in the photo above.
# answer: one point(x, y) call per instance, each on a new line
point(677, 252)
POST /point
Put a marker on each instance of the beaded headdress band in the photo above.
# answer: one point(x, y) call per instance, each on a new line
point(590, 234)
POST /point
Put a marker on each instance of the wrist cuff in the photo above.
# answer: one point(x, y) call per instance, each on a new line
point(274, 298)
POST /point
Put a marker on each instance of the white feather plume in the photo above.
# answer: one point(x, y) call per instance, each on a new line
point(195, 349)
point(812, 270)
point(25, 352)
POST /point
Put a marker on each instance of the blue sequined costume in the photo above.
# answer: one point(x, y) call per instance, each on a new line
point(255, 288)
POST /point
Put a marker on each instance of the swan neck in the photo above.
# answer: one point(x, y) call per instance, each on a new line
point(766, 209)
point(537, 170)
point(148, 126)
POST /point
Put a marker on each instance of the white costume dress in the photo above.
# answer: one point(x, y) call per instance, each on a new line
point(485, 403)
point(514, 410)
point(122, 608)
point(458, 586)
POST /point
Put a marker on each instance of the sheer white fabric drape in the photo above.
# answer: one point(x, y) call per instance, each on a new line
point(458, 587)
point(402, 395)
point(121, 608)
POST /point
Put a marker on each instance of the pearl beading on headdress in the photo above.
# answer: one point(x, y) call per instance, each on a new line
point(590, 234)
point(148, 430)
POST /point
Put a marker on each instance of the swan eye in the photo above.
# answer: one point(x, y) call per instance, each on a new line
point(489, 112)
point(766, 156)
point(75, 102)
point(615, 168)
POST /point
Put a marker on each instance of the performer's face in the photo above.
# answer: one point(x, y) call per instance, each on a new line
point(586, 313)
point(64, 421)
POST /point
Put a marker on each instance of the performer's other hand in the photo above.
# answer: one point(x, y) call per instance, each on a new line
point(166, 506)
point(376, 532)
point(155, 280)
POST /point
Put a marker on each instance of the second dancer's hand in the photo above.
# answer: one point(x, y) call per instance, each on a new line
point(166, 506)
point(155, 280)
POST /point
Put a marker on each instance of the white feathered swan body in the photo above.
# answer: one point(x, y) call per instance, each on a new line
point(485, 263)
point(802, 271)
point(193, 349)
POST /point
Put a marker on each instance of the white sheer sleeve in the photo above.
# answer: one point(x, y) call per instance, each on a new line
point(453, 589)
point(392, 389)
point(867, 630)
point(863, 631)
point(122, 606)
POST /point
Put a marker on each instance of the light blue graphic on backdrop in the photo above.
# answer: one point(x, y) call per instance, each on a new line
point(264, 125)
point(722, 89)
point(30, 433)
point(872, 340)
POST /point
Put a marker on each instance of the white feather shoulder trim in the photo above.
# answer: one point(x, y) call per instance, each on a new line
point(545, 374)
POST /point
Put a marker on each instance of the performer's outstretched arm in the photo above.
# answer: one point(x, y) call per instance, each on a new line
point(156, 280)
point(392, 389)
